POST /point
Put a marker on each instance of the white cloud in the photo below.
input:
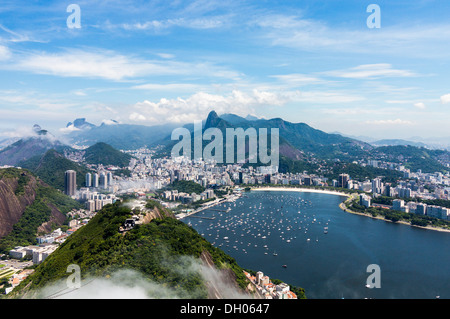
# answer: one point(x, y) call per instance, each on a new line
point(110, 65)
point(198, 105)
point(79, 93)
point(419, 105)
point(68, 129)
point(137, 117)
point(445, 99)
point(296, 32)
point(370, 71)
point(195, 23)
point(298, 79)
point(304, 34)
point(20, 132)
point(5, 53)
point(110, 122)
point(11, 36)
point(77, 63)
point(390, 122)
point(34, 99)
point(175, 87)
point(166, 55)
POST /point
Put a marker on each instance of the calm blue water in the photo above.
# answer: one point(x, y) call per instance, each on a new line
point(414, 263)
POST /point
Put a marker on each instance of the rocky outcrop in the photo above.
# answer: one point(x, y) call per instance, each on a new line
point(18, 190)
point(156, 212)
point(12, 206)
point(221, 283)
point(56, 218)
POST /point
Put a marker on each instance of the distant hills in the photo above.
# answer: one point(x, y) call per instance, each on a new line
point(119, 136)
point(80, 124)
point(26, 148)
point(102, 153)
point(50, 167)
point(396, 142)
point(29, 151)
point(299, 142)
point(300, 145)
point(45, 156)
point(413, 157)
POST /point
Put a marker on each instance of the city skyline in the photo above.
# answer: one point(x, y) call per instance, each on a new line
point(152, 63)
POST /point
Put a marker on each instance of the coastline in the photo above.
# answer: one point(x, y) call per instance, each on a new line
point(347, 210)
point(299, 189)
point(342, 205)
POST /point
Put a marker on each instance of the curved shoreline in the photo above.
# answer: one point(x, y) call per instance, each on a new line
point(299, 189)
point(342, 205)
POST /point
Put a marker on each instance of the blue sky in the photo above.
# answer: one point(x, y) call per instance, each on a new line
point(150, 62)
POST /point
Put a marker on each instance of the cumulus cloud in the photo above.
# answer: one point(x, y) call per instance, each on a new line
point(27, 132)
point(419, 105)
point(445, 99)
point(198, 105)
point(68, 129)
point(137, 117)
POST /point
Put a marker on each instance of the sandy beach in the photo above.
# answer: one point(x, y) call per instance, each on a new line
point(299, 189)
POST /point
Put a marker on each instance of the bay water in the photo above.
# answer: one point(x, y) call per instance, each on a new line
point(305, 239)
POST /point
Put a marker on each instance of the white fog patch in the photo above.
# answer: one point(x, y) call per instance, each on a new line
point(131, 284)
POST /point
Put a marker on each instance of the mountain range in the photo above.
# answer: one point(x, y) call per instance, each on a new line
point(299, 143)
point(119, 136)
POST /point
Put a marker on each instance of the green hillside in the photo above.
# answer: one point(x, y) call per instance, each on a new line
point(413, 157)
point(160, 250)
point(51, 167)
point(183, 186)
point(47, 200)
point(102, 153)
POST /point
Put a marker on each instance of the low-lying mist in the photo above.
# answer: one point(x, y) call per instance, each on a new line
point(131, 284)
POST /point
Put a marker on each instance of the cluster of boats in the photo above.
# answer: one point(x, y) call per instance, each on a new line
point(246, 226)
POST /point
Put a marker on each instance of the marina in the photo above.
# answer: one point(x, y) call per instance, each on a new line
point(307, 240)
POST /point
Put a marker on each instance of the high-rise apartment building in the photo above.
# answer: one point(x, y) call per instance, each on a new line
point(343, 180)
point(95, 180)
point(88, 180)
point(70, 182)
